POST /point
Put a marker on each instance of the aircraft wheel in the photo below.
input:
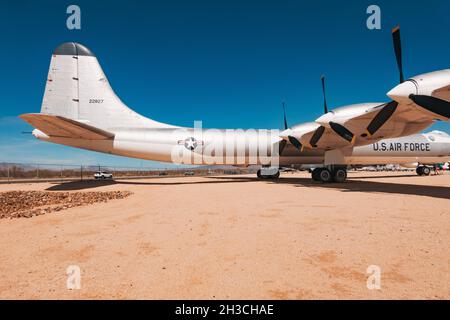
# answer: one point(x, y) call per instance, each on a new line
point(315, 174)
point(426, 171)
point(419, 171)
point(325, 175)
point(339, 175)
point(258, 174)
point(272, 176)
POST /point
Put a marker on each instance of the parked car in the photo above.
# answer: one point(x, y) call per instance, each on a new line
point(103, 175)
point(189, 173)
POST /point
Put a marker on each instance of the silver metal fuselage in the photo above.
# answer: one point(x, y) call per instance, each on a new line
point(162, 144)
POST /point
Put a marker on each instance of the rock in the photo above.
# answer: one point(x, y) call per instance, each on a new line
point(16, 204)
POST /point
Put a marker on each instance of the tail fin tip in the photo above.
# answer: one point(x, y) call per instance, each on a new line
point(73, 49)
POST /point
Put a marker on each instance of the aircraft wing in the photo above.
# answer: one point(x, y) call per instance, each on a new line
point(360, 124)
point(57, 126)
point(387, 120)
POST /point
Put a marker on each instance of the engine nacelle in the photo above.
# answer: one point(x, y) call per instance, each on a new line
point(410, 165)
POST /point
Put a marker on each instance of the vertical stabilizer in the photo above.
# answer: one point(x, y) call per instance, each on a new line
point(78, 89)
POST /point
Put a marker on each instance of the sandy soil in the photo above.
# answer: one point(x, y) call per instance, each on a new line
point(236, 238)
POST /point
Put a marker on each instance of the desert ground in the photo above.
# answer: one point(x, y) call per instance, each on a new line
point(235, 237)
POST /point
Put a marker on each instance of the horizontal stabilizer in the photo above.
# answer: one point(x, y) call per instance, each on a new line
point(57, 126)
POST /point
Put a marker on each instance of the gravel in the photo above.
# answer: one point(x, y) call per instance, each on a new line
point(26, 204)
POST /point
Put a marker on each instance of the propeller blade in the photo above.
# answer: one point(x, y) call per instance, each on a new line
point(342, 131)
point(285, 120)
point(282, 144)
point(316, 136)
point(398, 50)
point(381, 117)
point(325, 108)
point(433, 104)
point(295, 142)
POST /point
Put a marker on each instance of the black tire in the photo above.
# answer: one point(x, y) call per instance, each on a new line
point(275, 176)
point(419, 170)
point(426, 171)
point(325, 175)
point(315, 174)
point(339, 175)
point(258, 174)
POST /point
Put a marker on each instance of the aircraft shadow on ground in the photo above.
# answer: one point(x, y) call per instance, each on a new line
point(348, 186)
point(364, 186)
point(386, 176)
point(80, 185)
point(90, 184)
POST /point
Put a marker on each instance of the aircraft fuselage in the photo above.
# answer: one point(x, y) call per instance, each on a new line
point(242, 148)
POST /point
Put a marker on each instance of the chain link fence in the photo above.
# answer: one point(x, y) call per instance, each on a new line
point(13, 172)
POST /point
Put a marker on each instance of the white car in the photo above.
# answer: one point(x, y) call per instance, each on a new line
point(103, 175)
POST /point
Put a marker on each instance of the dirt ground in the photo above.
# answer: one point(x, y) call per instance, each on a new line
point(236, 237)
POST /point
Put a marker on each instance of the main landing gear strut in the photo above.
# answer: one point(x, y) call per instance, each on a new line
point(330, 174)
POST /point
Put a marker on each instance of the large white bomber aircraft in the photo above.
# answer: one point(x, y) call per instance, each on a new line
point(80, 109)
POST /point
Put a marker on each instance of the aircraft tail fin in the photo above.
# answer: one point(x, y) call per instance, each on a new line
point(78, 89)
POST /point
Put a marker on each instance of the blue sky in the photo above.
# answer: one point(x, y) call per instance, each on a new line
point(227, 63)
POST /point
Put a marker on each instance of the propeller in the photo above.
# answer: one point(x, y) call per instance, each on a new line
point(281, 146)
point(398, 51)
point(343, 132)
point(316, 136)
point(381, 118)
point(284, 114)
point(320, 130)
point(430, 103)
point(336, 127)
point(325, 108)
point(293, 140)
point(282, 143)
point(389, 108)
point(433, 104)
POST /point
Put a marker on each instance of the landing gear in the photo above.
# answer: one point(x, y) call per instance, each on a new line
point(268, 173)
point(419, 171)
point(423, 171)
point(315, 174)
point(327, 175)
point(339, 175)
